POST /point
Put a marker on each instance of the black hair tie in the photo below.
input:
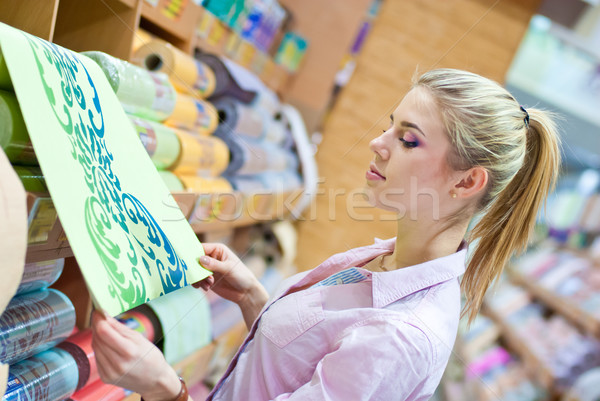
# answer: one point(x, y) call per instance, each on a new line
point(526, 119)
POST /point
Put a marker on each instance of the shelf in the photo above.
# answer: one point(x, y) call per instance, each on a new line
point(180, 24)
point(538, 370)
point(564, 306)
point(237, 210)
point(213, 36)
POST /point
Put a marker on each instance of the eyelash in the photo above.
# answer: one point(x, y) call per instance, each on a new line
point(408, 144)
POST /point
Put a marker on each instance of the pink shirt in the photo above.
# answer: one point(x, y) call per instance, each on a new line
point(388, 337)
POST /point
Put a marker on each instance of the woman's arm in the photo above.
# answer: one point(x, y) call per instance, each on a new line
point(233, 281)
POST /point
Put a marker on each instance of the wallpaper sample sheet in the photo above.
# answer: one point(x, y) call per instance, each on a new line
point(130, 239)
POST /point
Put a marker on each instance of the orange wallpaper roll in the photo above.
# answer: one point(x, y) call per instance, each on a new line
point(193, 183)
point(206, 156)
point(140, 38)
point(99, 391)
point(186, 73)
point(193, 115)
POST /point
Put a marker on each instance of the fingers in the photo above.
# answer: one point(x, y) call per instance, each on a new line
point(205, 284)
point(215, 250)
point(213, 264)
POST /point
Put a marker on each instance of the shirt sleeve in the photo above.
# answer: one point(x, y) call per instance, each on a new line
point(376, 360)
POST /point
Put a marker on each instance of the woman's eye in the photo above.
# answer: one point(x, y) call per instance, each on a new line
point(409, 141)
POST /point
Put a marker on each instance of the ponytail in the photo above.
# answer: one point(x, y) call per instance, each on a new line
point(520, 151)
point(508, 222)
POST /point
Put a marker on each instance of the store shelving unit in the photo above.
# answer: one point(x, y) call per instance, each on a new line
point(536, 368)
point(110, 26)
point(586, 322)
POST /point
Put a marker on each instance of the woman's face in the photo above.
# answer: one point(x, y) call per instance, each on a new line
point(409, 173)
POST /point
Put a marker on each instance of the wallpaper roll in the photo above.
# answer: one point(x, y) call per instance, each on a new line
point(280, 181)
point(99, 391)
point(206, 156)
point(139, 321)
point(34, 322)
point(199, 185)
point(14, 138)
point(187, 74)
point(32, 178)
point(5, 82)
point(140, 38)
point(240, 119)
point(245, 156)
point(161, 142)
point(40, 275)
point(225, 84)
point(275, 132)
point(51, 375)
point(79, 345)
point(246, 183)
point(193, 115)
point(279, 159)
point(145, 94)
point(185, 319)
point(172, 181)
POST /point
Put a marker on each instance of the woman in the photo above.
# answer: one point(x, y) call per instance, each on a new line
point(379, 322)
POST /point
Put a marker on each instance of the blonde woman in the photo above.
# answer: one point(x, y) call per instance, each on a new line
point(379, 322)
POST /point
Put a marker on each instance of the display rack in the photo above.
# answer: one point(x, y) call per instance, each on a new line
point(110, 26)
point(586, 322)
point(535, 366)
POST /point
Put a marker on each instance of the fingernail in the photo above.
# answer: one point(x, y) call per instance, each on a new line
point(205, 260)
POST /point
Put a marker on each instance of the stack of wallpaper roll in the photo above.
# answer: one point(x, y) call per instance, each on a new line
point(260, 156)
point(175, 126)
point(35, 321)
point(259, 161)
point(14, 140)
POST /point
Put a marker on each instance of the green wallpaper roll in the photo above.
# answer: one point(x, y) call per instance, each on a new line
point(173, 183)
point(160, 141)
point(14, 138)
point(5, 82)
point(142, 93)
point(185, 320)
point(32, 178)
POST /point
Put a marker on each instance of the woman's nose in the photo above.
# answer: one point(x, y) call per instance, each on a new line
point(378, 147)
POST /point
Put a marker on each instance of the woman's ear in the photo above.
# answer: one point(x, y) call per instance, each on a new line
point(471, 182)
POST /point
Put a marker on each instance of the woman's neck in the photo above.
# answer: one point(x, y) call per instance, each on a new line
point(417, 242)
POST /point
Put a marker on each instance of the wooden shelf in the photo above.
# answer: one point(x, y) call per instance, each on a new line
point(240, 211)
point(213, 36)
point(564, 306)
point(181, 26)
point(538, 370)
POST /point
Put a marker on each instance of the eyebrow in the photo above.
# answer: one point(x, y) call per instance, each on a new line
point(409, 125)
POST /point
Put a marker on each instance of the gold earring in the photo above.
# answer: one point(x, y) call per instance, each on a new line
point(454, 195)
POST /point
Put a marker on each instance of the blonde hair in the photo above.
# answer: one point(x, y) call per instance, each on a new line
point(520, 151)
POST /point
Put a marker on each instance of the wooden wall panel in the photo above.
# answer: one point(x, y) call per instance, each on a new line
point(408, 35)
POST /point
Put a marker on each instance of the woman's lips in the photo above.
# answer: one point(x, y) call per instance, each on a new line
point(374, 175)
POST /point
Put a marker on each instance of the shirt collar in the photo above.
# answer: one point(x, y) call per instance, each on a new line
point(391, 286)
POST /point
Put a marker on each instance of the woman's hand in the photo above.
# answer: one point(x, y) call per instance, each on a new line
point(232, 280)
point(127, 359)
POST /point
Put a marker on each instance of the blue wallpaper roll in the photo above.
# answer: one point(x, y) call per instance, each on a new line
point(40, 275)
point(33, 323)
point(48, 376)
